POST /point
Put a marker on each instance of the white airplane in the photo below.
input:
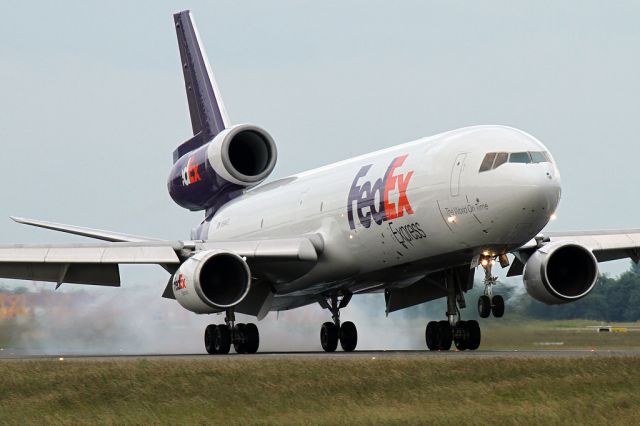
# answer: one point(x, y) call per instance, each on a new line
point(413, 222)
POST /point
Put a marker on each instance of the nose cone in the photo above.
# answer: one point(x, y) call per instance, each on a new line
point(536, 194)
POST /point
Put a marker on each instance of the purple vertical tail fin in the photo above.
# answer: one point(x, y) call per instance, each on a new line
point(208, 116)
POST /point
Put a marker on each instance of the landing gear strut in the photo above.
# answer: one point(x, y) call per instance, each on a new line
point(439, 335)
point(219, 338)
point(332, 332)
point(489, 303)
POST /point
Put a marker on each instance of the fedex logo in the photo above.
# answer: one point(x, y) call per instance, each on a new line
point(179, 282)
point(190, 173)
point(364, 195)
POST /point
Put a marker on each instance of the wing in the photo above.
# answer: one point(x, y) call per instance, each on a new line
point(98, 263)
point(605, 245)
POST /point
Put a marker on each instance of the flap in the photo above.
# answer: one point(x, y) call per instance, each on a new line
point(108, 253)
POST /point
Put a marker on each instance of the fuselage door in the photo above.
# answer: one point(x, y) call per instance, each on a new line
point(456, 174)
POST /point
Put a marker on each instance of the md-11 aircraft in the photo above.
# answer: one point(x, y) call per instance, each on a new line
point(412, 222)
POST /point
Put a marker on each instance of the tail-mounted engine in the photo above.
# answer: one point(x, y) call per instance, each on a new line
point(560, 272)
point(239, 157)
point(211, 281)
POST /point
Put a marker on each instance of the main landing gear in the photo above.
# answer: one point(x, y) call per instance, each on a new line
point(219, 338)
point(332, 332)
point(489, 303)
point(465, 335)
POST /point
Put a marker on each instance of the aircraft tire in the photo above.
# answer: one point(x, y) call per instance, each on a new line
point(222, 341)
point(209, 337)
point(239, 338)
point(460, 339)
point(484, 306)
point(329, 336)
point(348, 336)
point(251, 338)
point(497, 306)
point(473, 335)
point(445, 336)
point(431, 335)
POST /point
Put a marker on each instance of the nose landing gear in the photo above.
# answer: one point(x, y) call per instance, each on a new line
point(489, 303)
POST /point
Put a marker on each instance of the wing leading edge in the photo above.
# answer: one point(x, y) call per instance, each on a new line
point(98, 263)
point(605, 245)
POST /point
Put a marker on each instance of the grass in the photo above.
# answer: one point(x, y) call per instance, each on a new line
point(413, 390)
point(574, 334)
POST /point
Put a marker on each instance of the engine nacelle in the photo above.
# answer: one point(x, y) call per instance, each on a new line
point(210, 281)
point(238, 157)
point(560, 272)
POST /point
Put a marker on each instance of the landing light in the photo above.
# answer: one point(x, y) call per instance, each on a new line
point(484, 262)
point(553, 216)
point(451, 219)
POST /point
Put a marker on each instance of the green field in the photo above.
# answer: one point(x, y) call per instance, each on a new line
point(414, 390)
point(556, 335)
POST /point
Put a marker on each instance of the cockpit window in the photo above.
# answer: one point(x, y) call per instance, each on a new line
point(519, 157)
point(487, 162)
point(538, 157)
point(501, 158)
point(493, 160)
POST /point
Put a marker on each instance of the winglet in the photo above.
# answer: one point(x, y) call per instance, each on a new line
point(208, 115)
point(85, 232)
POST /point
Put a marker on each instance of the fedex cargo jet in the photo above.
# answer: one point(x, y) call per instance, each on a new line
point(413, 222)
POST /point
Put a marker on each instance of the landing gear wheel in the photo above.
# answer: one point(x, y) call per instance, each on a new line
point(460, 336)
point(209, 338)
point(238, 341)
point(329, 336)
point(473, 335)
point(484, 306)
point(497, 306)
point(222, 339)
point(444, 335)
point(251, 338)
point(348, 336)
point(431, 335)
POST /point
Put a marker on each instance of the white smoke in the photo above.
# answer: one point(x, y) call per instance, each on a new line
point(134, 319)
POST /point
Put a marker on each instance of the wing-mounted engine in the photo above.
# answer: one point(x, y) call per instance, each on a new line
point(560, 272)
point(211, 281)
point(239, 157)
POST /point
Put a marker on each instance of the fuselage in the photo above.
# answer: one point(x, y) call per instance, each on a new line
point(401, 212)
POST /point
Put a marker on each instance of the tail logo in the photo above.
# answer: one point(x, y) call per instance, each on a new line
point(190, 173)
point(386, 208)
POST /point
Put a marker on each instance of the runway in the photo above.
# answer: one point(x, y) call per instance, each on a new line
point(393, 354)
